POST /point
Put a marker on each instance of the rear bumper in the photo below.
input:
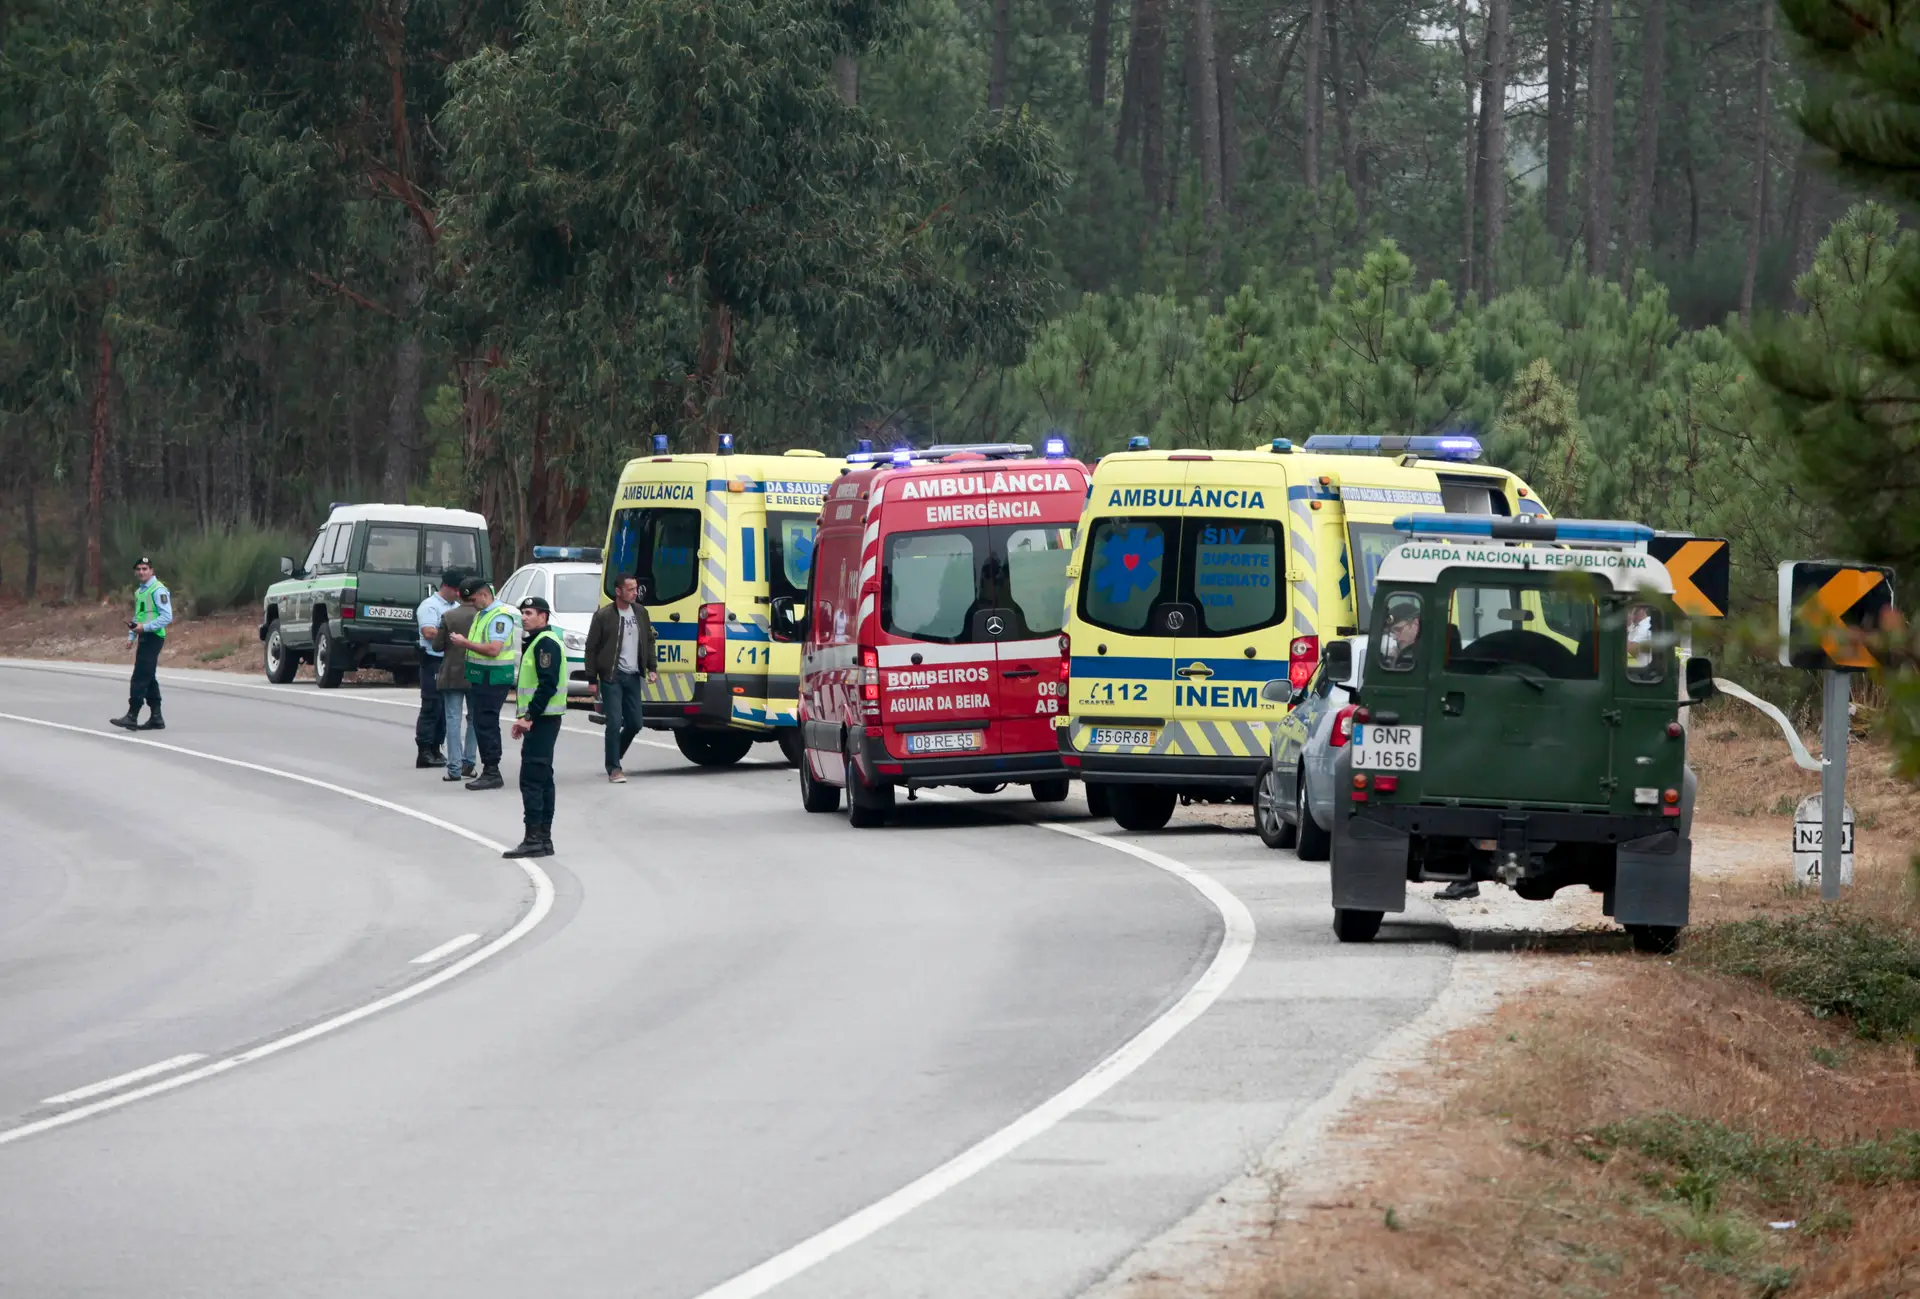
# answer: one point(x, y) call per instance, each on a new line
point(727, 702)
point(920, 773)
point(1534, 827)
point(1160, 769)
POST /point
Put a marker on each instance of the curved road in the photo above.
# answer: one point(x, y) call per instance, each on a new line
point(736, 1025)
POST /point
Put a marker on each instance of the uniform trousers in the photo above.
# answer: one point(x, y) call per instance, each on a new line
point(146, 665)
point(486, 702)
point(430, 728)
point(536, 770)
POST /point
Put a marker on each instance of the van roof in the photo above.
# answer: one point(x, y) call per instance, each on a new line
point(789, 466)
point(428, 514)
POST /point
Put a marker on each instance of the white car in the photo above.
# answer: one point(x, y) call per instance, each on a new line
point(572, 586)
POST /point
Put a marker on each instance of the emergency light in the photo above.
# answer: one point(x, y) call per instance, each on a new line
point(1281, 446)
point(1056, 448)
point(902, 457)
point(862, 450)
point(1138, 443)
point(659, 444)
point(1450, 446)
point(1493, 527)
point(726, 444)
point(571, 554)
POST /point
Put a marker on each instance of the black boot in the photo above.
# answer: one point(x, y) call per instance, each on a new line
point(437, 754)
point(546, 837)
point(531, 844)
point(1458, 891)
point(154, 722)
point(131, 722)
point(489, 778)
point(424, 759)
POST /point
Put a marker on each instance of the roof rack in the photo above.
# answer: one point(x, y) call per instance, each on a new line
point(1445, 446)
point(863, 452)
point(1525, 527)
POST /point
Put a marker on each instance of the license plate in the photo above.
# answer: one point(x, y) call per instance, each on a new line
point(386, 611)
point(1377, 747)
point(1132, 737)
point(945, 741)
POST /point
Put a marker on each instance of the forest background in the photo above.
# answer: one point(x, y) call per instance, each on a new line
point(257, 258)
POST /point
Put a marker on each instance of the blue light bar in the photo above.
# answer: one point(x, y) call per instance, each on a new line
point(659, 444)
point(1282, 446)
point(1056, 448)
point(571, 554)
point(1139, 444)
point(1525, 527)
point(1450, 446)
point(902, 457)
point(726, 444)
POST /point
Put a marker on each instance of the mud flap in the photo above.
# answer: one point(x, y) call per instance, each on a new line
point(1369, 863)
point(1653, 880)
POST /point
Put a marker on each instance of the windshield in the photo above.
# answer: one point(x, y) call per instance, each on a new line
point(661, 548)
point(1527, 627)
point(576, 592)
point(1229, 571)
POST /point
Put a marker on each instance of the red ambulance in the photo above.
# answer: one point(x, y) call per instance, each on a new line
point(930, 638)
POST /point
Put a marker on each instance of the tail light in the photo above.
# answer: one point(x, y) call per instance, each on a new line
point(870, 682)
point(1386, 784)
point(1066, 659)
point(710, 653)
point(1303, 656)
point(1342, 728)
point(346, 613)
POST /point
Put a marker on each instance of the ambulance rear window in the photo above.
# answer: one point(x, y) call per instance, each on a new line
point(661, 548)
point(1036, 560)
point(933, 582)
point(789, 552)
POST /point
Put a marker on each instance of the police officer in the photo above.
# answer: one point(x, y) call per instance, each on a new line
point(147, 633)
point(493, 658)
point(542, 703)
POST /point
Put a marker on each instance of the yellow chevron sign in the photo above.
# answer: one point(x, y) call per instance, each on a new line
point(1828, 611)
point(1702, 572)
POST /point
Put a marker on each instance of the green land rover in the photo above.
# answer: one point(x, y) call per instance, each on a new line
point(351, 603)
point(1520, 721)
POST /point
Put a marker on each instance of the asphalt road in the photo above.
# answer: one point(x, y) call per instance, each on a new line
point(728, 1028)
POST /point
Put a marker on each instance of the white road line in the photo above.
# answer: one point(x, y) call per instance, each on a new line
point(115, 1084)
point(447, 948)
point(1236, 945)
point(529, 920)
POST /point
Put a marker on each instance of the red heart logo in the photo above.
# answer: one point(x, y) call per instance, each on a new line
point(1131, 561)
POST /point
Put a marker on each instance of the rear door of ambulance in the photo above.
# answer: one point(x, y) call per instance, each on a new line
point(1121, 692)
point(655, 535)
point(1032, 536)
point(1230, 618)
point(790, 527)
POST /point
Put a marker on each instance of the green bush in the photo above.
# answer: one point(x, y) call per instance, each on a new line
point(1832, 961)
point(206, 571)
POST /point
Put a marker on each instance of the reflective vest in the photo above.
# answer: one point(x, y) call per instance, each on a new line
point(500, 624)
point(146, 606)
point(529, 683)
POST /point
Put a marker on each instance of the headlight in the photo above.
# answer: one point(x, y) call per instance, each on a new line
point(575, 642)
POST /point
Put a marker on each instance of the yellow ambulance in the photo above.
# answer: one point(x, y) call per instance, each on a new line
point(715, 539)
point(1199, 576)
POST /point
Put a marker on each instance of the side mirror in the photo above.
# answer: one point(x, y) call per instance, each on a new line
point(286, 566)
point(1700, 687)
point(788, 618)
point(1277, 691)
point(1337, 658)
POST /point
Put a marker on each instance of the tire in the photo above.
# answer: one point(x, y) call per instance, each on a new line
point(1143, 807)
point(280, 662)
point(816, 795)
point(866, 808)
point(1273, 828)
point(329, 658)
point(1051, 791)
point(712, 748)
point(1314, 844)
point(1099, 799)
point(1355, 926)
point(792, 746)
point(1654, 940)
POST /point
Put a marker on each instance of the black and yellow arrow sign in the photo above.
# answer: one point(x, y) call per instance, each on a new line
point(1701, 569)
point(1828, 610)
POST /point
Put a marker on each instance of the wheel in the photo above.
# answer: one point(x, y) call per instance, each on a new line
point(1099, 799)
point(1273, 828)
point(1050, 791)
point(1655, 940)
point(816, 795)
point(1142, 807)
point(712, 748)
point(1355, 926)
point(792, 746)
point(329, 658)
point(866, 807)
point(1314, 843)
point(281, 663)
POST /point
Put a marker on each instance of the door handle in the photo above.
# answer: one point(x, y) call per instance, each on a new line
point(1022, 672)
point(1453, 703)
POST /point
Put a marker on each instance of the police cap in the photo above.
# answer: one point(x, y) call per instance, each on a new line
point(535, 604)
point(472, 584)
point(143, 560)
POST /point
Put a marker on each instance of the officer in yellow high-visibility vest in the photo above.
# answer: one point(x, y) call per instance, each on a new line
point(542, 697)
point(147, 633)
point(493, 659)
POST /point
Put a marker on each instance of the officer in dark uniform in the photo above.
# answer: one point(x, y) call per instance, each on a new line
point(542, 703)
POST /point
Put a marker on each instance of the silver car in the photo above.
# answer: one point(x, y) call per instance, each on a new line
point(1294, 798)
